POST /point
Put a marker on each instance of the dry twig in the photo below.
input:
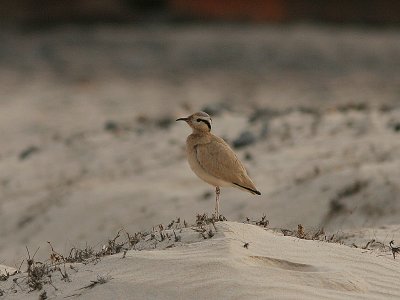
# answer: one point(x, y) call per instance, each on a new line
point(395, 250)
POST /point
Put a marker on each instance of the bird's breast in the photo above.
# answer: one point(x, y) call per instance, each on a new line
point(199, 171)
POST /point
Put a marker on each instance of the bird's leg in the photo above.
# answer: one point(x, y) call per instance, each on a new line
point(217, 193)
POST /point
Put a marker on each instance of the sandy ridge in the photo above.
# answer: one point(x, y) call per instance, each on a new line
point(273, 266)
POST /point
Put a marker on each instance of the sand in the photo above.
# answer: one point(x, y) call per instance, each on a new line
point(89, 146)
point(343, 176)
point(273, 266)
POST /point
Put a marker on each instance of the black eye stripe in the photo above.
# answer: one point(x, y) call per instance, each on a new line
point(205, 121)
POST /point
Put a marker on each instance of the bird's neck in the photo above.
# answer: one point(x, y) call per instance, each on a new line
point(201, 132)
point(200, 137)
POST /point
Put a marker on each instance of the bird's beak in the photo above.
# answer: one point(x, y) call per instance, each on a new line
point(182, 119)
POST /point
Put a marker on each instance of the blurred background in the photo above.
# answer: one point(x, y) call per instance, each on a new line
point(307, 92)
point(84, 11)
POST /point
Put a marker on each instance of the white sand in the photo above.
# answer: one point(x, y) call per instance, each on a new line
point(318, 160)
point(273, 267)
point(4, 270)
point(82, 188)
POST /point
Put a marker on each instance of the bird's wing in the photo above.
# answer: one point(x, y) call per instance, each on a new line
point(219, 160)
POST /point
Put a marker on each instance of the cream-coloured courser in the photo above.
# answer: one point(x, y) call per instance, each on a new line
point(211, 158)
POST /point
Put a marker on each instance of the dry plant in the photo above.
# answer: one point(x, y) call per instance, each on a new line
point(92, 284)
point(263, 222)
point(43, 295)
point(113, 246)
point(85, 255)
point(99, 280)
point(395, 250)
point(300, 232)
point(204, 219)
point(372, 244)
point(39, 273)
point(205, 225)
point(318, 235)
point(6, 275)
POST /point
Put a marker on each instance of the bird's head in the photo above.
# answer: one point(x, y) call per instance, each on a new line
point(200, 121)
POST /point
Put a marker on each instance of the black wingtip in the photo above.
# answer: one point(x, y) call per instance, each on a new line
point(249, 189)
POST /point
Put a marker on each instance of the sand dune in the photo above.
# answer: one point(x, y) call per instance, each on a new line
point(272, 267)
point(89, 146)
point(339, 174)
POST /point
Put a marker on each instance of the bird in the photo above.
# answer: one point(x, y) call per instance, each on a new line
point(213, 160)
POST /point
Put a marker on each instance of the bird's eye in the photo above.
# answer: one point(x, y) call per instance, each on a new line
point(198, 120)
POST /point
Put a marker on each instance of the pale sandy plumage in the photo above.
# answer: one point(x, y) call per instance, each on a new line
point(211, 158)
